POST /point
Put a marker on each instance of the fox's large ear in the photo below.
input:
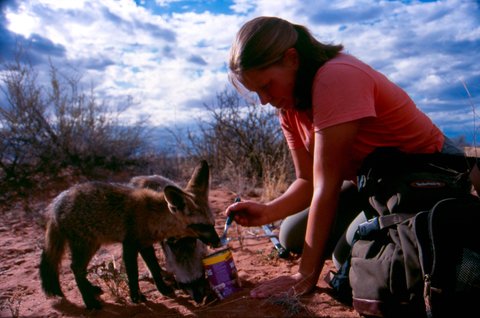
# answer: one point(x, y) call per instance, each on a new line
point(175, 199)
point(199, 182)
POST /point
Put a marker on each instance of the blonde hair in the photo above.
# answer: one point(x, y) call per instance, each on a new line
point(262, 42)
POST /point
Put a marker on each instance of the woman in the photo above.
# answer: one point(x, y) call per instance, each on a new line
point(334, 110)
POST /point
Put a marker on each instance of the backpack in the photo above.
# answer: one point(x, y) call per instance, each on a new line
point(408, 260)
point(425, 265)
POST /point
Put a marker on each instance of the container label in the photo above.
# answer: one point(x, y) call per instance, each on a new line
point(222, 273)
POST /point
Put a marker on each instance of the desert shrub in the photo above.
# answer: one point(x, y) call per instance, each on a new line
point(243, 142)
point(12, 300)
point(45, 128)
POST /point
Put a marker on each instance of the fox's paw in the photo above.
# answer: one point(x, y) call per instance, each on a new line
point(166, 290)
point(140, 298)
point(93, 304)
point(56, 293)
point(95, 290)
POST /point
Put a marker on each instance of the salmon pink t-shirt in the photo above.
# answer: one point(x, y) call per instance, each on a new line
point(346, 89)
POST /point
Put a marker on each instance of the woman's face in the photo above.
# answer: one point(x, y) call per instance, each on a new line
point(274, 85)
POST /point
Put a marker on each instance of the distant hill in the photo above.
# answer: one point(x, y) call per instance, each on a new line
point(472, 151)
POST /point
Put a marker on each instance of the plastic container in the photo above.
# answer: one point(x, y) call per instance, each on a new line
point(222, 273)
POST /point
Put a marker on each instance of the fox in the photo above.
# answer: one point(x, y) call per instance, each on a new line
point(91, 214)
point(183, 256)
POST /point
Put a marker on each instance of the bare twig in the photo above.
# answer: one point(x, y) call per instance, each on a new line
point(290, 303)
point(472, 104)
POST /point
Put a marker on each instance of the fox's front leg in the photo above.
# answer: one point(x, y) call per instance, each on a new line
point(130, 253)
point(148, 255)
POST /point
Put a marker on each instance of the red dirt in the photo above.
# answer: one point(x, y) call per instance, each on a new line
point(21, 240)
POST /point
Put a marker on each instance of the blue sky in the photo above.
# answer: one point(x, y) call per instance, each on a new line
point(171, 55)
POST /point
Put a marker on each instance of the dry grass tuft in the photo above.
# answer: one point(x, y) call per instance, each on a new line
point(291, 304)
point(13, 301)
point(114, 277)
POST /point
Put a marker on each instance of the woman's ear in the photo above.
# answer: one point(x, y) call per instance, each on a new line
point(290, 58)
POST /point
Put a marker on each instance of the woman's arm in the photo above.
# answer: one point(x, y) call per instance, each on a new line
point(331, 159)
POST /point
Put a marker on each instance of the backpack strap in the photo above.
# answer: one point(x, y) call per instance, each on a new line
point(389, 220)
point(368, 230)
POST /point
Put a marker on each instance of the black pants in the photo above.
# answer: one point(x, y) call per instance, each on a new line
point(350, 205)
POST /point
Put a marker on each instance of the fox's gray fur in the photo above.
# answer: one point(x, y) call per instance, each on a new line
point(95, 213)
point(155, 182)
point(183, 256)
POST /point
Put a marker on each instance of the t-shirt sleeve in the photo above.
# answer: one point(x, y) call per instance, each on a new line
point(341, 93)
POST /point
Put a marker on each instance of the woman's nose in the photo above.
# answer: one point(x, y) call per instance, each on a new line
point(264, 98)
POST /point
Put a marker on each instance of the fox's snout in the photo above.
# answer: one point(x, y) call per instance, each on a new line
point(206, 233)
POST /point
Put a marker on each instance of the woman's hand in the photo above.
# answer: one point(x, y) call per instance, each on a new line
point(249, 213)
point(294, 285)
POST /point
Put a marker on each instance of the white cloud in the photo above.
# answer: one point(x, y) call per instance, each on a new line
point(173, 61)
point(243, 6)
point(24, 22)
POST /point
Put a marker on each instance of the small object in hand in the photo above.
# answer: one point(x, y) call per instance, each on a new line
point(223, 239)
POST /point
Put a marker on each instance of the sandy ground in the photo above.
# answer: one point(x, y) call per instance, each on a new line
point(21, 240)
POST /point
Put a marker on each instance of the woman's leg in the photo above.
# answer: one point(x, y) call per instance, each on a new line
point(292, 231)
point(344, 244)
point(293, 228)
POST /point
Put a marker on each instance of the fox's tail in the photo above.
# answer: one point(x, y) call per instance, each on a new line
point(50, 260)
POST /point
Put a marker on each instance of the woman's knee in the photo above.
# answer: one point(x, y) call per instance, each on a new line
point(344, 244)
point(292, 232)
